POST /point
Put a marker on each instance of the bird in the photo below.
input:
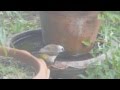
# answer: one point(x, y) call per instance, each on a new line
point(50, 52)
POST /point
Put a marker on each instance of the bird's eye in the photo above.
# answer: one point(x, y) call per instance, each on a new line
point(63, 49)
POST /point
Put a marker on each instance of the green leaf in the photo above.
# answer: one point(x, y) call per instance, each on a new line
point(86, 43)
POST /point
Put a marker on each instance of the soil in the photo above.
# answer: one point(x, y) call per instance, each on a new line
point(12, 68)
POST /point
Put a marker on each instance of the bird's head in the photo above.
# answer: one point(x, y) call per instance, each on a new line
point(50, 52)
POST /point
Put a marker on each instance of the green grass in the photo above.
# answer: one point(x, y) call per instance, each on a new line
point(109, 69)
point(13, 22)
point(12, 68)
point(109, 31)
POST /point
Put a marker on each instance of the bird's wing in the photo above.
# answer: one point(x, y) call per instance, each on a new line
point(50, 50)
point(51, 53)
